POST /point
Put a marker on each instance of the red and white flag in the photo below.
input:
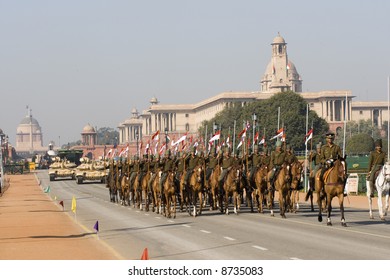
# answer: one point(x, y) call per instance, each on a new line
point(156, 135)
point(256, 137)
point(279, 133)
point(309, 136)
point(262, 141)
point(216, 136)
point(181, 139)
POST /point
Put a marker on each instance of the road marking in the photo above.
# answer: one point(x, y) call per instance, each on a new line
point(147, 214)
point(171, 221)
point(158, 218)
point(187, 226)
point(260, 248)
point(229, 238)
point(205, 231)
point(295, 259)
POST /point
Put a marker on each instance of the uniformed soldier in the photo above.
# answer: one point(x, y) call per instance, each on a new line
point(168, 165)
point(134, 169)
point(266, 157)
point(329, 153)
point(192, 162)
point(154, 168)
point(180, 167)
point(278, 157)
point(211, 162)
point(315, 159)
point(255, 162)
point(227, 163)
point(290, 157)
point(376, 161)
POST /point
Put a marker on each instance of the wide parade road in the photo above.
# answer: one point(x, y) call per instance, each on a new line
point(246, 236)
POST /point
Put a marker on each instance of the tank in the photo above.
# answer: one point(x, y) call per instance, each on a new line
point(91, 171)
point(61, 169)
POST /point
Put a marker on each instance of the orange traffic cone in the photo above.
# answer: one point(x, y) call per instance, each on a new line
point(145, 254)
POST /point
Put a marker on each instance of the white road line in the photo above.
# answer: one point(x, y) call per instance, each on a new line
point(295, 259)
point(260, 248)
point(146, 214)
point(171, 221)
point(158, 218)
point(205, 231)
point(187, 226)
point(229, 238)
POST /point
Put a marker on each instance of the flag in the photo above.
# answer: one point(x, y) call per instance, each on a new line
point(256, 137)
point(109, 153)
point(155, 136)
point(147, 148)
point(145, 254)
point(181, 139)
point(283, 139)
point(96, 226)
point(239, 144)
point(215, 137)
point(47, 189)
point(279, 133)
point(227, 141)
point(309, 136)
point(62, 204)
point(73, 205)
point(262, 141)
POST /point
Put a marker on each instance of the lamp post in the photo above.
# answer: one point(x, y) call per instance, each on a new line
point(136, 138)
point(166, 138)
point(254, 118)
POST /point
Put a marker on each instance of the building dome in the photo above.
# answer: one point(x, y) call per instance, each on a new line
point(278, 40)
point(88, 129)
point(29, 137)
point(29, 120)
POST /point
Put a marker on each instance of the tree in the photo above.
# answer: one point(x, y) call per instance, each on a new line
point(292, 117)
point(107, 136)
point(360, 144)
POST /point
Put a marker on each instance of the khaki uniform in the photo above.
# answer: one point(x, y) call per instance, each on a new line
point(375, 163)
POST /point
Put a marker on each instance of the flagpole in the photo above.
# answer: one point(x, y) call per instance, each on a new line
point(307, 127)
point(205, 138)
point(278, 119)
point(234, 136)
point(388, 117)
point(345, 123)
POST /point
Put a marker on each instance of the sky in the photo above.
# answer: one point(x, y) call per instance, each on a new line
point(80, 62)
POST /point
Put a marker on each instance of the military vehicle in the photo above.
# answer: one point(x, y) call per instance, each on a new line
point(91, 171)
point(61, 168)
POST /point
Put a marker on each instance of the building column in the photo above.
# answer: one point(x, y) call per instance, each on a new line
point(343, 114)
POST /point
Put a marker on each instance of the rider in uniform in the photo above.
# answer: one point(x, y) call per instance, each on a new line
point(168, 165)
point(290, 157)
point(329, 153)
point(227, 163)
point(192, 162)
point(255, 161)
point(376, 161)
point(278, 157)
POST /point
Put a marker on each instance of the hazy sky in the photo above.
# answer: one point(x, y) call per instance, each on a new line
point(93, 61)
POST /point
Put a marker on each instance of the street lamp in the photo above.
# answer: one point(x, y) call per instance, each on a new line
point(136, 138)
point(254, 118)
point(166, 138)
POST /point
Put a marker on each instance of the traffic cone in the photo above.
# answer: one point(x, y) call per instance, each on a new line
point(145, 254)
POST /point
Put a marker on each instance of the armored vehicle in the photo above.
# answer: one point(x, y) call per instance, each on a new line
point(62, 168)
point(91, 171)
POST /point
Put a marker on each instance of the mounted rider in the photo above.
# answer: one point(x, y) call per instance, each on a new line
point(192, 161)
point(278, 157)
point(168, 165)
point(330, 152)
point(255, 161)
point(375, 163)
point(227, 163)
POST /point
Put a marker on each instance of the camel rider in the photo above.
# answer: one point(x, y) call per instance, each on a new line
point(315, 159)
point(278, 157)
point(329, 153)
point(192, 162)
point(376, 161)
point(227, 163)
point(255, 161)
point(168, 165)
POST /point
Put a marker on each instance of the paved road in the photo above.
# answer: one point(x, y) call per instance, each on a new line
point(215, 236)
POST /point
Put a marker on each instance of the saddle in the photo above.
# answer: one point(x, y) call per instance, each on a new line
point(327, 172)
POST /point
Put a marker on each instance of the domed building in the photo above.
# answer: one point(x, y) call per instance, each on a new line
point(29, 138)
point(281, 74)
point(88, 136)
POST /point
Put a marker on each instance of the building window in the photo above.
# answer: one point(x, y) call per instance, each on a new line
point(187, 127)
point(311, 104)
point(187, 115)
point(361, 112)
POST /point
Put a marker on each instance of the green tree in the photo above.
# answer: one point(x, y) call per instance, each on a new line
point(292, 117)
point(359, 144)
point(107, 136)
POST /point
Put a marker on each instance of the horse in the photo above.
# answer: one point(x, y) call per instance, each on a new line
point(334, 185)
point(156, 195)
point(231, 189)
point(145, 194)
point(170, 196)
point(184, 193)
point(213, 187)
point(282, 185)
point(259, 194)
point(296, 175)
point(112, 185)
point(196, 190)
point(382, 185)
point(125, 187)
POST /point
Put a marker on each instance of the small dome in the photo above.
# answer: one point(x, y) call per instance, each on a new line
point(88, 129)
point(153, 100)
point(29, 120)
point(278, 40)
